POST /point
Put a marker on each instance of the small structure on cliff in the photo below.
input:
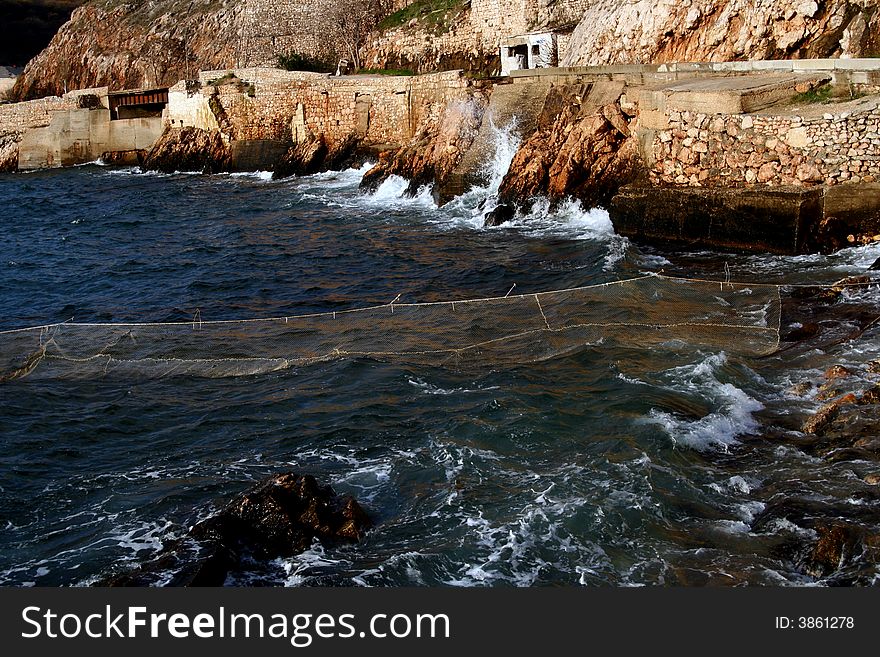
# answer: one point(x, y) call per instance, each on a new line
point(526, 51)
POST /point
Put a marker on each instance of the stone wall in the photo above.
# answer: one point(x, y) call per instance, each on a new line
point(271, 104)
point(816, 146)
point(15, 117)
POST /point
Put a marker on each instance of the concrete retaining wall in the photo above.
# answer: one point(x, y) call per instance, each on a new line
point(77, 136)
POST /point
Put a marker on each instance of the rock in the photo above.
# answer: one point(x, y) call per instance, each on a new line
point(872, 479)
point(875, 266)
point(807, 173)
point(304, 159)
point(819, 422)
point(801, 389)
point(435, 150)
point(188, 149)
point(9, 152)
point(502, 214)
point(837, 543)
point(280, 517)
point(766, 173)
point(808, 8)
point(837, 372)
point(803, 332)
point(871, 396)
point(578, 151)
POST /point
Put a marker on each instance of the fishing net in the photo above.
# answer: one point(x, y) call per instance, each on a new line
point(642, 312)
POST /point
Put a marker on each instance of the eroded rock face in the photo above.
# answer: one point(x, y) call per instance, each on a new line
point(127, 46)
point(9, 152)
point(188, 149)
point(644, 31)
point(436, 149)
point(315, 156)
point(279, 517)
point(576, 152)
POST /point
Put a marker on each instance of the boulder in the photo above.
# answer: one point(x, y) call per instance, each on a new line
point(188, 149)
point(280, 517)
point(819, 422)
point(500, 215)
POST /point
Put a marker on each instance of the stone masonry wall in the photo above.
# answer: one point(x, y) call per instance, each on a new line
point(841, 145)
point(292, 106)
point(16, 117)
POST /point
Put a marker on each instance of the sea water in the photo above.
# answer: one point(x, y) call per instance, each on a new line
point(609, 466)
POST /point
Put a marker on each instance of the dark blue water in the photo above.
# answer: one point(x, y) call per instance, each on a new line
point(610, 466)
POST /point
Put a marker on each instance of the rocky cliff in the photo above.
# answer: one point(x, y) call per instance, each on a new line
point(143, 43)
point(596, 32)
point(646, 31)
point(130, 44)
point(147, 43)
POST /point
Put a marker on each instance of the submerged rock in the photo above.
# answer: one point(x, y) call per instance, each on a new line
point(279, 517)
point(837, 543)
point(823, 418)
point(503, 214)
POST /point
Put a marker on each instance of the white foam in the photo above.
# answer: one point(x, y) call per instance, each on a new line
point(430, 389)
point(265, 176)
point(719, 429)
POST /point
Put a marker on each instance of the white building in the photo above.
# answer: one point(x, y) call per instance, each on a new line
point(534, 50)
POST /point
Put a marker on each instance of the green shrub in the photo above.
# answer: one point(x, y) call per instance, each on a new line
point(818, 95)
point(431, 12)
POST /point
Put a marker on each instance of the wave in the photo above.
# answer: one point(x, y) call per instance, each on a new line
point(733, 417)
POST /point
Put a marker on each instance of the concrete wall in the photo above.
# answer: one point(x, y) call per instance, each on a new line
point(857, 72)
point(76, 136)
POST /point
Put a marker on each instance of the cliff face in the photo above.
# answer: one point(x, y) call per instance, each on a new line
point(596, 32)
point(654, 31)
point(147, 43)
point(144, 43)
point(133, 44)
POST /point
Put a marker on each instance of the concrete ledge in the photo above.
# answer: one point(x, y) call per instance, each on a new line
point(773, 220)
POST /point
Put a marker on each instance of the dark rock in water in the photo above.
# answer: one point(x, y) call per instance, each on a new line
point(875, 266)
point(124, 158)
point(188, 149)
point(827, 414)
point(282, 515)
point(316, 156)
point(303, 159)
point(279, 517)
point(503, 214)
point(837, 543)
point(803, 332)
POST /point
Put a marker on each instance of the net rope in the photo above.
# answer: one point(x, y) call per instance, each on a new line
point(643, 312)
